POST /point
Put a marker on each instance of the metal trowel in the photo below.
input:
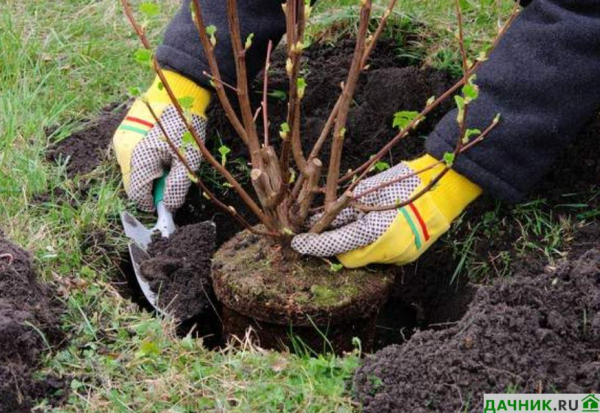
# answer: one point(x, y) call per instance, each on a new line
point(141, 237)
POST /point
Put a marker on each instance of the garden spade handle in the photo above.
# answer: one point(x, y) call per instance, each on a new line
point(165, 223)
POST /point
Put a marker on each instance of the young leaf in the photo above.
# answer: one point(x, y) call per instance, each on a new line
point(301, 82)
point(449, 158)
point(143, 56)
point(460, 103)
point(381, 166)
point(188, 139)
point(469, 133)
point(149, 9)
point(404, 118)
point(224, 151)
point(211, 31)
point(284, 130)
point(430, 101)
point(134, 91)
point(470, 92)
point(161, 86)
point(335, 267)
point(186, 102)
point(249, 39)
point(278, 94)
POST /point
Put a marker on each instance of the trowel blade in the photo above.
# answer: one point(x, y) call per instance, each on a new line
point(138, 255)
point(135, 230)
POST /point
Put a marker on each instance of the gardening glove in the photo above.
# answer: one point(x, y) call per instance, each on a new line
point(142, 151)
point(398, 236)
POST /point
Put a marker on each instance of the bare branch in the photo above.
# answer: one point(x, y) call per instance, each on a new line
point(209, 50)
point(333, 172)
point(265, 95)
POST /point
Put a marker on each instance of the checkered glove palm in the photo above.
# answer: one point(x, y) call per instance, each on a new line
point(397, 236)
point(354, 229)
point(152, 155)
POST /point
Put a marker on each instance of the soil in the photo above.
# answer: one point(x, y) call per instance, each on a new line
point(26, 305)
point(84, 150)
point(529, 334)
point(179, 270)
point(253, 279)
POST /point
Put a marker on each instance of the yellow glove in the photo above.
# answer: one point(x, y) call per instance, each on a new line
point(397, 236)
point(142, 151)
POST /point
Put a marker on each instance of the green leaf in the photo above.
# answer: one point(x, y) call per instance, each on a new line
point(186, 102)
point(336, 268)
point(224, 151)
point(249, 39)
point(284, 130)
point(160, 86)
point(469, 133)
point(470, 92)
point(149, 9)
point(301, 83)
point(381, 166)
point(143, 56)
point(278, 94)
point(188, 139)
point(211, 30)
point(449, 158)
point(134, 91)
point(404, 118)
point(460, 103)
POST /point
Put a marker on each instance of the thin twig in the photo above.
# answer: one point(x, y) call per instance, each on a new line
point(214, 68)
point(265, 95)
point(463, 149)
point(214, 79)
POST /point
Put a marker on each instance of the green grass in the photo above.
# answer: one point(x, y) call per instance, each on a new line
point(62, 61)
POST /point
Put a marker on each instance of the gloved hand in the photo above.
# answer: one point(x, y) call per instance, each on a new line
point(142, 151)
point(397, 236)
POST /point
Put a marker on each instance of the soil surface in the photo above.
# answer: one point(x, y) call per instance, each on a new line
point(261, 288)
point(179, 270)
point(529, 334)
point(253, 277)
point(26, 305)
point(87, 148)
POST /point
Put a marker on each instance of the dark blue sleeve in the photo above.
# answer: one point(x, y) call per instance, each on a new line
point(544, 80)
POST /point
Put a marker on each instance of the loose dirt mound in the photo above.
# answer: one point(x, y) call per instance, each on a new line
point(179, 270)
point(527, 334)
point(25, 306)
point(88, 147)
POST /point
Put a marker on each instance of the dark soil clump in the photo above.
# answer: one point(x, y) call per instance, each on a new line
point(25, 305)
point(532, 333)
point(179, 270)
point(88, 147)
point(253, 279)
